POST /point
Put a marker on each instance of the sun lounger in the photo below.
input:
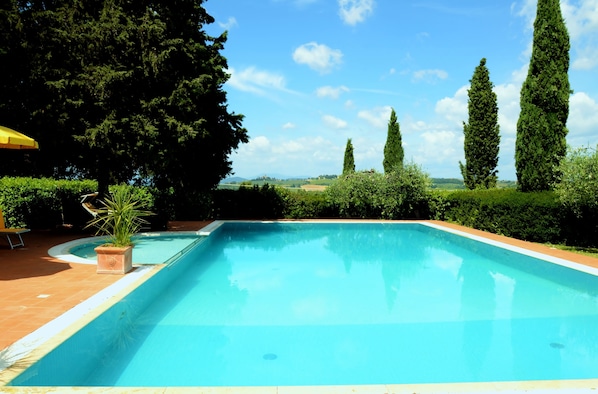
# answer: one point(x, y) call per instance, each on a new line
point(87, 201)
point(15, 232)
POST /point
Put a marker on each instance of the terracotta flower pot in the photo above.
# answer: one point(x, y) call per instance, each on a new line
point(114, 260)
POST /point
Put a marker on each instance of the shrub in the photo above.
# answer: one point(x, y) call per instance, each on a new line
point(41, 203)
point(401, 194)
point(301, 204)
point(266, 202)
point(528, 216)
point(577, 187)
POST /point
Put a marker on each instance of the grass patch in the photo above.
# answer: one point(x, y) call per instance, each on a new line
point(592, 252)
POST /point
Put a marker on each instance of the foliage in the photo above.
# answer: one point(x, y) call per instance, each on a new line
point(42, 203)
point(301, 204)
point(482, 138)
point(393, 149)
point(577, 187)
point(533, 216)
point(541, 128)
point(356, 194)
point(265, 202)
point(367, 194)
point(120, 217)
point(124, 90)
point(407, 193)
point(349, 161)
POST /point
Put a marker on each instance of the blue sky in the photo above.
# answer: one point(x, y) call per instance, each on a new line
point(309, 74)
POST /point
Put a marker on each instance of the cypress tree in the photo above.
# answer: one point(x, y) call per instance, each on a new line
point(541, 128)
point(393, 150)
point(349, 162)
point(482, 136)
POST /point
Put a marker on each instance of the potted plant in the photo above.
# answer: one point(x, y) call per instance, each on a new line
point(119, 218)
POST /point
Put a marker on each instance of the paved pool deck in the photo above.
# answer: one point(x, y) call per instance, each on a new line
point(36, 288)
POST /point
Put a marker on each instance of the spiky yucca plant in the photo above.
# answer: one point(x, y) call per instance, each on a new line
point(120, 218)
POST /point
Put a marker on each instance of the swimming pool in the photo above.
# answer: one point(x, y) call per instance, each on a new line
point(326, 304)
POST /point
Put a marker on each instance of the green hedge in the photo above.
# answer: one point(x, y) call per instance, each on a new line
point(536, 217)
point(43, 203)
point(528, 216)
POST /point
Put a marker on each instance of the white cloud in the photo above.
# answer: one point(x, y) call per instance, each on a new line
point(258, 144)
point(334, 122)
point(377, 117)
point(454, 108)
point(429, 76)
point(587, 59)
point(581, 18)
point(331, 92)
point(256, 81)
point(368, 153)
point(293, 157)
point(439, 146)
point(583, 120)
point(519, 76)
point(527, 10)
point(354, 11)
point(230, 23)
point(433, 145)
point(289, 125)
point(318, 57)
point(507, 96)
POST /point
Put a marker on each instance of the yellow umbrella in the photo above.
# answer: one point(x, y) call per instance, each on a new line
point(10, 139)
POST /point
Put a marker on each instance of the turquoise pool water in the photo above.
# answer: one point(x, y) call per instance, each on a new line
point(330, 304)
point(149, 248)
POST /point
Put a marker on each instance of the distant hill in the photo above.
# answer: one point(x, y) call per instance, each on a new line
point(234, 179)
point(448, 183)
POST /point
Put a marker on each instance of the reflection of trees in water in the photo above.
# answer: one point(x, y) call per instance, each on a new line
point(270, 236)
point(395, 247)
point(478, 302)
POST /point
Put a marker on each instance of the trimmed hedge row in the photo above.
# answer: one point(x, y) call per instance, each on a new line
point(535, 217)
point(43, 203)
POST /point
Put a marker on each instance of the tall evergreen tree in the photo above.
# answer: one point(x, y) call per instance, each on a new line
point(125, 90)
point(541, 128)
point(482, 138)
point(349, 162)
point(393, 149)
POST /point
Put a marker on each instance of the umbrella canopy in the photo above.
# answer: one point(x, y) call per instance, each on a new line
point(10, 139)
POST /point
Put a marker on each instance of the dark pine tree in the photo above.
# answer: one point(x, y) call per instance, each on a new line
point(393, 150)
point(349, 162)
point(541, 128)
point(482, 137)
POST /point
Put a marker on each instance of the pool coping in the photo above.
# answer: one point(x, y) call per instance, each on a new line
point(43, 340)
